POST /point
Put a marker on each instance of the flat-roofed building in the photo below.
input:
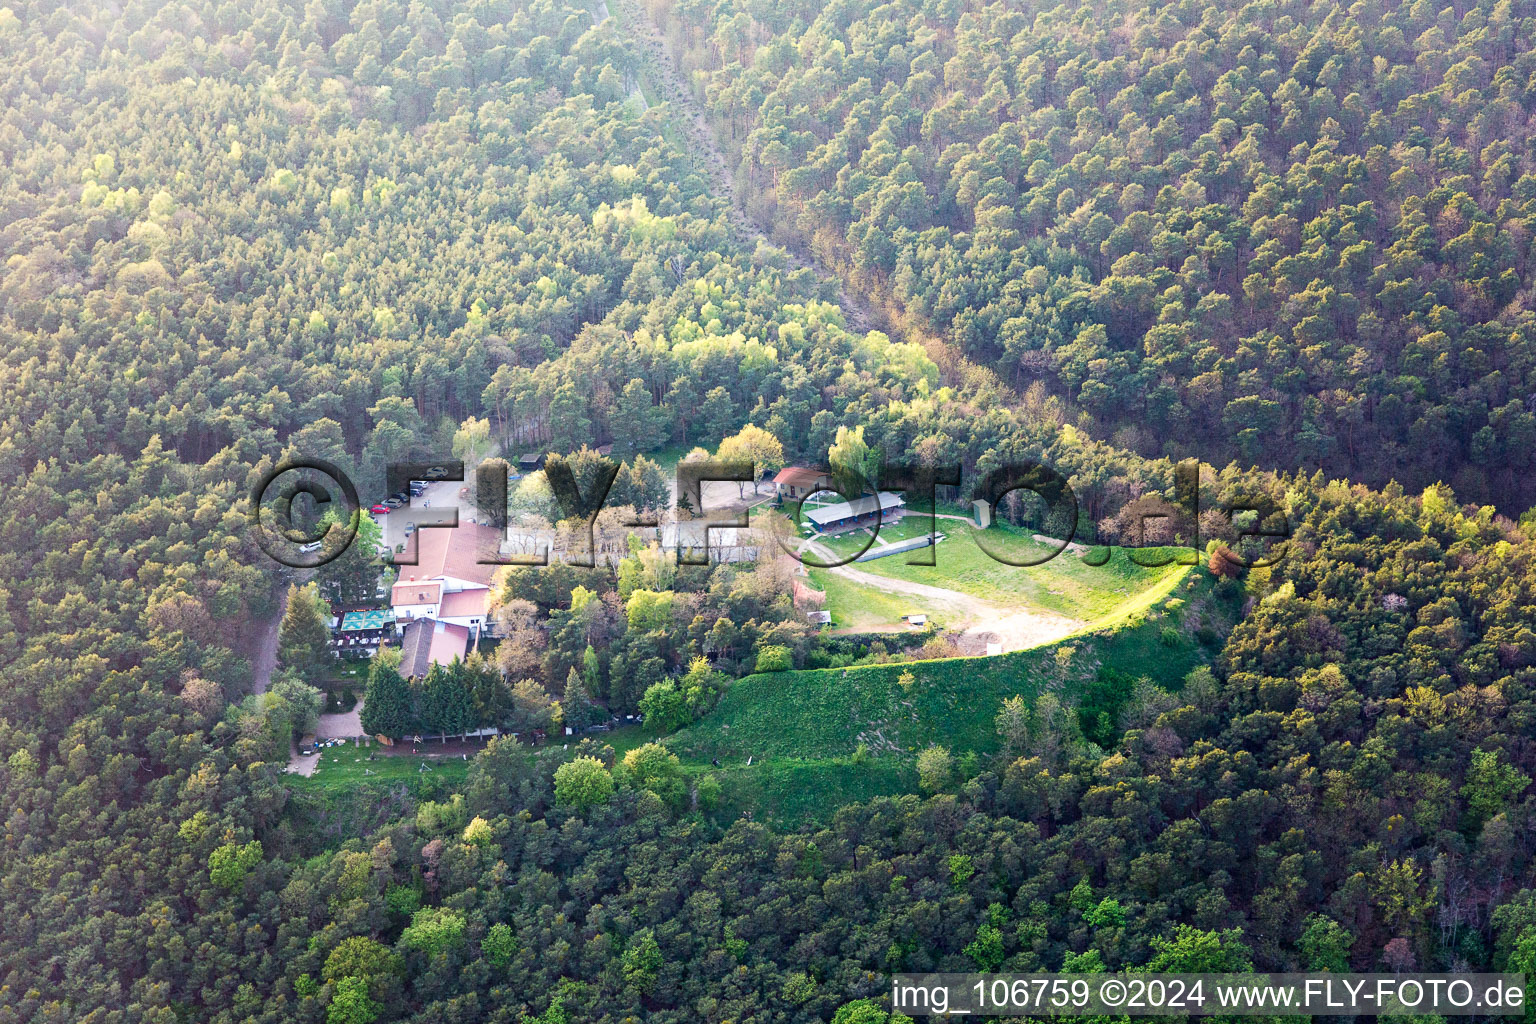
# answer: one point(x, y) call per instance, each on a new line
point(884, 507)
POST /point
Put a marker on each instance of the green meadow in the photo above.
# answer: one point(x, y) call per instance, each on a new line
point(803, 731)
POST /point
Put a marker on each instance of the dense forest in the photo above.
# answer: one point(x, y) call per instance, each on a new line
point(1105, 238)
point(1286, 233)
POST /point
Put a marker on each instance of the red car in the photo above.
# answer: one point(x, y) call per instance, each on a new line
point(380, 510)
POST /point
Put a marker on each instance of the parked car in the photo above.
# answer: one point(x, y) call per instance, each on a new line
point(401, 497)
point(410, 528)
point(394, 502)
point(307, 745)
point(435, 473)
point(311, 547)
point(380, 510)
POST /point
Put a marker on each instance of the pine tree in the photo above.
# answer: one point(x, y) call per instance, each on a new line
point(351, 577)
point(576, 702)
point(303, 639)
point(636, 423)
point(531, 706)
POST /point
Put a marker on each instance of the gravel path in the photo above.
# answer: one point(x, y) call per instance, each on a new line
point(301, 764)
point(341, 726)
point(1015, 630)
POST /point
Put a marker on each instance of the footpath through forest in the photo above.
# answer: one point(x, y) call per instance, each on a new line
point(691, 121)
point(264, 657)
point(983, 622)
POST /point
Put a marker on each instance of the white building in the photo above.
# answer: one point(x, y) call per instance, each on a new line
point(451, 580)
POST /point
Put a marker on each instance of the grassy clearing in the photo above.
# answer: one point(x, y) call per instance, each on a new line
point(851, 545)
point(1100, 596)
point(827, 713)
point(668, 458)
point(803, 730)
point(347, 673)
point(859, 608)
point(1133, 610)
point(342, 800)
point(624, 740)
point(347, 767)
point(1065, 584)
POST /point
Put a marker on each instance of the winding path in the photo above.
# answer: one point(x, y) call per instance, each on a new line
point(1015, 630)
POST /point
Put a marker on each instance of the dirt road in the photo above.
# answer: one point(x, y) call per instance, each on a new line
point(1015, 630)
point(264, 660)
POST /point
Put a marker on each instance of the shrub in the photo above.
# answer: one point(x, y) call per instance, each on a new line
point(665, 707)
point(230, 863)
point(478, 832)
point(774, 658)
point(433, 930)
point(935, 766)
point(583, 783)
point(499, 944)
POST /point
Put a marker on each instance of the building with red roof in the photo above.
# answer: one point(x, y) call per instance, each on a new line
point(451, 580)
point(431, 642)
point(797, 482)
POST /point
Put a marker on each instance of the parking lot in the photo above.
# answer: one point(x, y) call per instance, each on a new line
point(437, 497)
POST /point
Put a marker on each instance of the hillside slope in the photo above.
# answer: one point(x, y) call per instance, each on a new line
point(830, 713)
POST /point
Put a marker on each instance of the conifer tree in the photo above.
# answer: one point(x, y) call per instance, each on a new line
point(387, 702)
point(303, 639)
point(576, 702)
point(446, 704)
